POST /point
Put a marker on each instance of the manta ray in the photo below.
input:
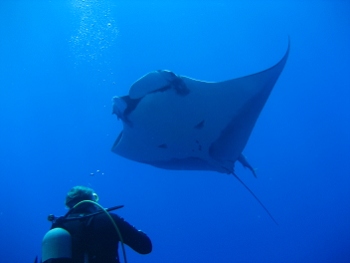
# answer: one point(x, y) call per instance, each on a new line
point(179, 123)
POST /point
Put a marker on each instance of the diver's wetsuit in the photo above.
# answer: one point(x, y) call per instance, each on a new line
point(97, 237)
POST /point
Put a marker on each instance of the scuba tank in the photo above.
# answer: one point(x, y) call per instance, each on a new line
point(57, 244)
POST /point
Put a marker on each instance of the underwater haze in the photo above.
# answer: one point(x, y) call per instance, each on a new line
point(62, 61)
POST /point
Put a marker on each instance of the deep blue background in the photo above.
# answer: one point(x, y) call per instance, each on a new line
point(62, 61)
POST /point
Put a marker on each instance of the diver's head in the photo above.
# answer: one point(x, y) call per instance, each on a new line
point(78, 194)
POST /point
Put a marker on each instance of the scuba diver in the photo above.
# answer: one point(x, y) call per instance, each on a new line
point(89, 233)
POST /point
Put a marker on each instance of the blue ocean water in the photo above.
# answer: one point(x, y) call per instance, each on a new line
point(62, 62)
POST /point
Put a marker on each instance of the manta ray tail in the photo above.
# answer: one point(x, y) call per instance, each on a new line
point(256, 198)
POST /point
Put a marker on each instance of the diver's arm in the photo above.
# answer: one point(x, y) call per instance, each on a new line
point(134, 238)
